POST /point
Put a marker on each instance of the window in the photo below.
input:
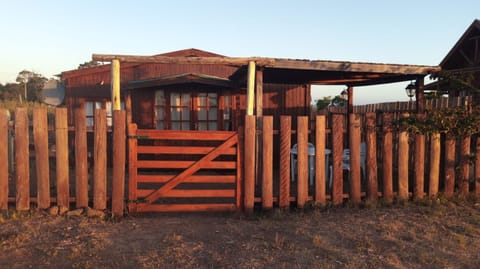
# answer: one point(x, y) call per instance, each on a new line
point(184, 110)
point(90, 107)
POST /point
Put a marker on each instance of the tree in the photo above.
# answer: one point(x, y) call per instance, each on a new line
point(323, 103)
point(32, 84)
point(89, 64)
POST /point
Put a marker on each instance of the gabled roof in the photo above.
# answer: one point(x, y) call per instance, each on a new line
point(192, 52)
point(466, 52)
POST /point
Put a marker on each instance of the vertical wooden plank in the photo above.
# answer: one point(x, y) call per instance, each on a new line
point(449, 166)
point(240, 168)
point(371, 144)
point(434, 174)
point(22, 159)
point(355, 152)
point(302, 161)
point(249, 191)
point(387, 153)
point(132, 168)
point(320, 167)
point(81, 165)
point(62, 163)
point(419, 167)
point(4, 118)
point(40, 139)
point(337, 155)
point(477, 166)
point(267, 156)
point(403, 154)
point(463, 184)
point(285, 145)
point(100, 160)
point(250, 88)
point(115, 84)
point(119, 151)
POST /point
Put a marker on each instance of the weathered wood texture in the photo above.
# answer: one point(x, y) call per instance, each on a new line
point(387, 154)
point(100, 160)
point(22, 157)
point(4, 118)
point(371, 155)
point(285, 145)
point(320, 166)
point(249, 191)
point(62, 163)
point(119, 161)
point(267, 163)
point(81, 161)
point(40, 138)
point(302, 161)
point(355, 157)
point(337, 158)
point(434, 174)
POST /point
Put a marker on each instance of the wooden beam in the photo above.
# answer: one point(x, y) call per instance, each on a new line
point(278, 63)
point(115, 84)
point(259, 92)
point(250, 88)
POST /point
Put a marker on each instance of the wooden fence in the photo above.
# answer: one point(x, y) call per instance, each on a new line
point(52, 172)
point(430, 104)
point(399, 166)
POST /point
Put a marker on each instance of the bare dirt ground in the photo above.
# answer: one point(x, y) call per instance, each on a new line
point(407, 236)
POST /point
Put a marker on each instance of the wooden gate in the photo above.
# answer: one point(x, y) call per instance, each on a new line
point(183, 170)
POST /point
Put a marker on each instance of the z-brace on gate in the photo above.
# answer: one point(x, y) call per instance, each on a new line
point(183, 171)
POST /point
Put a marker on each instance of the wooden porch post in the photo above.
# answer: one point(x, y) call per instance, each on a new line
point(419, 95)
point(115, 84)
point(250, 87)
point(350, 100)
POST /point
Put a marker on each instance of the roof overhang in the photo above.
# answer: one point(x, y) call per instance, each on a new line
point(278, 70)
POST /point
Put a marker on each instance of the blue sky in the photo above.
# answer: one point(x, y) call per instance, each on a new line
point(49, 37)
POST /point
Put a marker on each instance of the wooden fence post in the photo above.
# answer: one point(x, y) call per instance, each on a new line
point(62, 163)
point(249, 191)
point(81, 162)
point(4, 118)
point(40, 138)
point(22, 159)
point(337, 154)
point(302, 161)
point(371, 143)
point(403, 156)
point(449, 165)
point(100, 160)
point(267, 162)
point(285, 145)
point(387, 157)
point(419, 166)
point(355, 152)
point(132, 168)
point(119, 158)
point(434, 175)
point(320, 167)
point(463, 185)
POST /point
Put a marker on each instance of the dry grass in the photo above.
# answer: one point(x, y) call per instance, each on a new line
point(409, 236)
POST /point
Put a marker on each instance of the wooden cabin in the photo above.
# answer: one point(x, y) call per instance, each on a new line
point(198, 90)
